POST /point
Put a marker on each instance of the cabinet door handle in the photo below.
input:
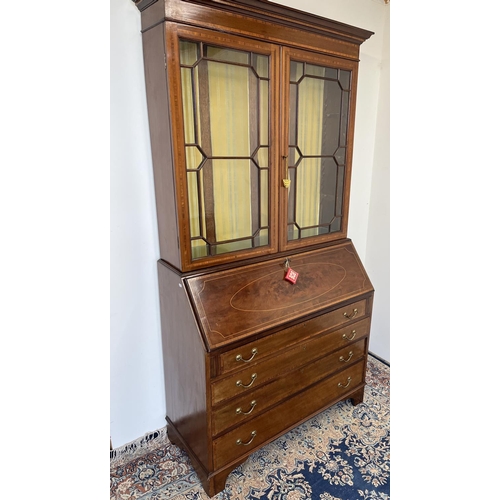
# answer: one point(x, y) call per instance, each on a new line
point(253, 434)
point(350, 316)
point(348, 359)
point(349, 338)
point(348, 382)
point(239, 411)
point(240, 357)
point(287, 181)
point(239, 383)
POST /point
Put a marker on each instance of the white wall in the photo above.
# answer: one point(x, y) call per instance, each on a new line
point(378, 238)
point(137, 397)
point(137, 401)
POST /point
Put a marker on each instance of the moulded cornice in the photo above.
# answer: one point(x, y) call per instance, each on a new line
point(274, 13)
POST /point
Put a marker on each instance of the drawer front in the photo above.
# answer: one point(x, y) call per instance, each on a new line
point(272, 423)
point(255, 402)
point(258, 373)
point(254, 351)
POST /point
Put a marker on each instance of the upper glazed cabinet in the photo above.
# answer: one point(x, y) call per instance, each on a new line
point(251, 127)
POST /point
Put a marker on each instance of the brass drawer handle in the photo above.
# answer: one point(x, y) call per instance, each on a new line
point(240, 357)
point(348, 359)
point(352, 315)
point(348, 382)
point(239, 411)
point(253, 434)
point(349, 338)
point(239, 383)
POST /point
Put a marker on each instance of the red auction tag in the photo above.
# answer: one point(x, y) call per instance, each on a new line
point(291, 275)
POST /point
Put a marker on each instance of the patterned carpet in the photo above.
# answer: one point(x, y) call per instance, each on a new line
point(341, 454)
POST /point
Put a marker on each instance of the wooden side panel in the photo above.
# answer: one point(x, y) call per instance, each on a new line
point(184, 365)
point(161, 142)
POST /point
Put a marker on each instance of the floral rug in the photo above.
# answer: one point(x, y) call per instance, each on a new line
point(341, 454)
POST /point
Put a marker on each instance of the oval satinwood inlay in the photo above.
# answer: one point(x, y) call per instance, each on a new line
point(271, 292)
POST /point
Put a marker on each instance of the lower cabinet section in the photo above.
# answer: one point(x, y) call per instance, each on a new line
point(240, 374)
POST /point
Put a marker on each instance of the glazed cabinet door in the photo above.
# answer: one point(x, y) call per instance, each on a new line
point(319, 95)
point(223, 93)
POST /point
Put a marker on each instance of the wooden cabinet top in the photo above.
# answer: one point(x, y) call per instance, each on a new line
point(260, 10)
point(235, 304)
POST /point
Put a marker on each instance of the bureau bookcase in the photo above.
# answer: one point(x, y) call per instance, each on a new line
point(265, 304)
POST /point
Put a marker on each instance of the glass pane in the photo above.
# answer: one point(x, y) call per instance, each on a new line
point(232, 199)
point(343, 118)
point(291, 195)
point(340, 156)
point(319, 112)
point(199, 249)
point(318, 116)
point(227, 55)
point(296, 71)
point(226, 136)
point(340, 189)
point(193, 157)
point(292, 129)
point(313, 70)
point(233, 246)
point(335, 225)
point(262, 157)
point(188, 52)
point(294, 156)
point(187, 104)
point(293, 232)
point(264, 112)
point(307, 233)
point(229, 109)
point(345, 79)
point(314, 231)
point(260, 64)
point(308, 192)
point(332, 73)
point(331, 123)
point(262, 238)
point(264, 199)
point(194, 208)
point(328, 191)
point(310, 116)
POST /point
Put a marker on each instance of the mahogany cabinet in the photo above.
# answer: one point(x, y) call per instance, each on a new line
point(265, 305)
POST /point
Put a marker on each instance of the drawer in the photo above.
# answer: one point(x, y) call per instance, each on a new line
point(255, 402)
point(271, 424)
point(271, 367)
point(254, 351)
